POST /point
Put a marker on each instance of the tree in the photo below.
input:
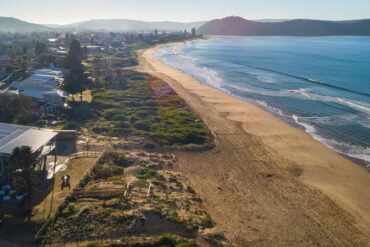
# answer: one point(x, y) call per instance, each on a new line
point(22, 164)
point(11, 52)
point(75, 55)
point(46, 59)
point(23, 69)
point(74, 80)
point(193, 32)
point(19, 109)
point(85, 52)
point(40, 48)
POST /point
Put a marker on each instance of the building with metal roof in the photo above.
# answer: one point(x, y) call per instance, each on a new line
point(41, 142)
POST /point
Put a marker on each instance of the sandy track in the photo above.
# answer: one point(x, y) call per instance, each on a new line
point(252, 182)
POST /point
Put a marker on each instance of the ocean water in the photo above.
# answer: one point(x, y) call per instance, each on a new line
point(319, 83)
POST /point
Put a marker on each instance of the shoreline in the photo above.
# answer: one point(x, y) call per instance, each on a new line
point(339, 178)
point(286, 118)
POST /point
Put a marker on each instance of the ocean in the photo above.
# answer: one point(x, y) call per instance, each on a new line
point(320, 84)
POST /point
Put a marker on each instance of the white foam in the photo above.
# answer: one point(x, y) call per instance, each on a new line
point(270, 108)
point(354, 151)
point(356, 105)
point(188, 65)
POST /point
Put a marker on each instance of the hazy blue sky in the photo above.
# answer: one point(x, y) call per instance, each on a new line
point(67, 11)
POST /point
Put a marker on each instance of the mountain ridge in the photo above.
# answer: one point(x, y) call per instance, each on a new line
point(238, 26)
point(11, 24)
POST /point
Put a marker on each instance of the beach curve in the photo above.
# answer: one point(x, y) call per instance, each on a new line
point(253, 147)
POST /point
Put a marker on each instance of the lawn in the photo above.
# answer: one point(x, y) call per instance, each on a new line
point(76, 169)
point(86, 96)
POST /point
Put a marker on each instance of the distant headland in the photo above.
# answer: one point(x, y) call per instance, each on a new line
point(238, 26)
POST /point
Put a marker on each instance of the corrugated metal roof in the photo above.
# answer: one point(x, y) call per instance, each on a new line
point(12, 136)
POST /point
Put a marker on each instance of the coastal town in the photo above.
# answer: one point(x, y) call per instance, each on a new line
point(167, 124)
point(62, 129)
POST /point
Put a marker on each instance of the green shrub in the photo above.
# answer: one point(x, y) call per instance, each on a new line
point(167, 240)
point(185, 243)
point(94, 244)
point(149, 145)
point(120, 159)
point(70, 125)
point(124, 125)
point(114, 158)
point(110, 114)
point(105, 171)
point(146, 173)
point(84, 181)
point(141, 125)
point(80, 112)
point(115, 179)
point(133, 119)
point(141, 163)
point(100, 129)
point(119, 117)
point(82, 210)
point(71, 208)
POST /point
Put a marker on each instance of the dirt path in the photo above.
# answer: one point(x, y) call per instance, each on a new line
point(251, 191)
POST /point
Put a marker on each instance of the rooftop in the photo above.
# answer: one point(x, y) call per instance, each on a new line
point(41, 82)
point(12, 136)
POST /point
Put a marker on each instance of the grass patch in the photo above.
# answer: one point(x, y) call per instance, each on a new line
point(86, 96)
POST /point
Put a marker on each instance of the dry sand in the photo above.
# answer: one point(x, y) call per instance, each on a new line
point(267, 183)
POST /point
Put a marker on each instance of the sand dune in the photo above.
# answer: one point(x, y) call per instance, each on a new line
point(267, 183)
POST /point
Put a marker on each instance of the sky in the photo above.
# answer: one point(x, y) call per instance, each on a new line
point(69, 11)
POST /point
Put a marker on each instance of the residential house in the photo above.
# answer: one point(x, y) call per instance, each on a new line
point(43, 85)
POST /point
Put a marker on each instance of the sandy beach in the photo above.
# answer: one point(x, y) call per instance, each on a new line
point(267, 182)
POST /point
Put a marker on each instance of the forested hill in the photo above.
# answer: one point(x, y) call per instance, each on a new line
point(237, 26)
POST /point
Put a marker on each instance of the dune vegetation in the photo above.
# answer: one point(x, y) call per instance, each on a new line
point(128, 103)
